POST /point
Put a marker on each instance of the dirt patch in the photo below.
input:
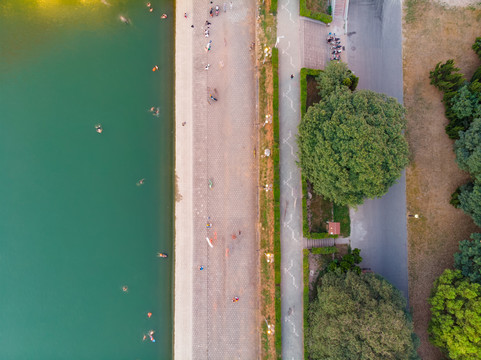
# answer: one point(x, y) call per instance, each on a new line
point(313, 96)
point(319, 211)
point(433, 33)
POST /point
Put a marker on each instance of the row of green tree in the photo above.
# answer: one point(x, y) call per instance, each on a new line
point(455, 325)
point(462, 100)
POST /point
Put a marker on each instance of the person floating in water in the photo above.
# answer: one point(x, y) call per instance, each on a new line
point(164, 16)
point(162, 255)
point(149, 314)
point(98, 128)
point(140, 182)
point(155, 68)
point(124, 19)
point(125, 288)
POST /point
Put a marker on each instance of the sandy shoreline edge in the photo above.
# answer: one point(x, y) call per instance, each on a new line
point(183, 223)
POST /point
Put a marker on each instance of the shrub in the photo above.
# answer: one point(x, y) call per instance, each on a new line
point(477, 46)
point(455, 198)
point(324, 250)
point(347, 263)
point(304, 11)
point(470, 201)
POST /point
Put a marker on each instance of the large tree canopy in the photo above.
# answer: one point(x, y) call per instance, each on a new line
point(468, 260)
point(359, 317)
point(351, 145)
point(455, 325)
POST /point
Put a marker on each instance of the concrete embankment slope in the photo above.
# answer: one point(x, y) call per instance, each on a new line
point(183, 185)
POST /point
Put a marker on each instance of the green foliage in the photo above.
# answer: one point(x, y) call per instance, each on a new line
point(465, 104)
point(359, 317)
point(468, 260)
point(468, 149)
point(324, 250)
point(475, 87)
point(477, 46)
point(304, 11)
point(470, 201)
point(455, 198)
point(455, 325)
point(351, 145)
point(347, 263)
point(446, 77)
point(273, 8)
point(354, 82)
point(335, 75)
point(305, 295)
point(476, 75)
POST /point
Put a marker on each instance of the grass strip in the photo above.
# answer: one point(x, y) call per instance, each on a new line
point(341, 215)
point(305, 270)
point(277, 213)
point(273, 8)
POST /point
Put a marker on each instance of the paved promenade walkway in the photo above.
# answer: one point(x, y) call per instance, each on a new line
point(215, 142)
point(288, 32)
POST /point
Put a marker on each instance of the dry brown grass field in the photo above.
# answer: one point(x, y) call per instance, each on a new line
point(433, 33)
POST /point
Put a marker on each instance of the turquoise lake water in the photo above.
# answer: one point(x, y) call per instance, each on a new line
point(74, 226)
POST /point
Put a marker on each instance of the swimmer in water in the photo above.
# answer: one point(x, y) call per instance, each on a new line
point(124, 19)
point(152, 109)
point(125, 288)
point(140, 182)
point(144, 338)
point(98, 128)
point(149, 4)
point(164, 16)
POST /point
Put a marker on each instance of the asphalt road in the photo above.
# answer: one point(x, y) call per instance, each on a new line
point(374, 45)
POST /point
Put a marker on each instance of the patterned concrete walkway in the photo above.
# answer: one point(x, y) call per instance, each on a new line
point(223, 136)
point(288, 32)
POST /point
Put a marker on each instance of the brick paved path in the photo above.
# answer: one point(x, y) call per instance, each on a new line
point(224, 139)
point(315, 51)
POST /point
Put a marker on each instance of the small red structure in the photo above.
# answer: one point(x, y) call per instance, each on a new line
point(334, 228)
